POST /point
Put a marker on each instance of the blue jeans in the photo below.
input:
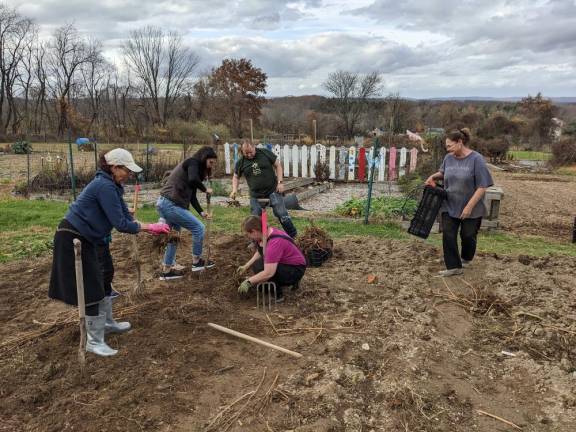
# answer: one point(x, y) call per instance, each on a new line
point(177, 217)
point(279, 209)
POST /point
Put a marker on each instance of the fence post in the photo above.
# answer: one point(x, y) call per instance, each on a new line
point(95, 155)
point(72, 177)
point(147, 161)
point(28, 171)
point(371, 180)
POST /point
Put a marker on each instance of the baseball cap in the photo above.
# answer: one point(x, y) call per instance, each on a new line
point(122, 157)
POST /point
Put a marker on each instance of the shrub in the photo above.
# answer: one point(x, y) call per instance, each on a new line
point(564, 152)
point(496, 149)
point(321, 171)
point(219, 189)
point(409, 183)
point(86, 147)
point(385, 206)
point(21, 147)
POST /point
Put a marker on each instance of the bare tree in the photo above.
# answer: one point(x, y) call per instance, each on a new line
point(163, 67)
point(350, 92)
point(94, 79)
point(26, 75)
point(14, 31)
point(68, 52)
point(40, 93)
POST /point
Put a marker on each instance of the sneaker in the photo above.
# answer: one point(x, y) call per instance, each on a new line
point(451, 272)
point(178, 267)
point(466, 263)
point(170, 275)
point(201, 265)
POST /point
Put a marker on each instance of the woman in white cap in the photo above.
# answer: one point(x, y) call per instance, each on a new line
point(99, 208)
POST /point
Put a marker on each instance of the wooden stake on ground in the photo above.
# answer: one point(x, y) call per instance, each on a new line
point(81, 301)
point(509, 423)
point(253, 339)
point(135, 251)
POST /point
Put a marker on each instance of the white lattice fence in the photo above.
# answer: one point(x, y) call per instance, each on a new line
point(343, 162)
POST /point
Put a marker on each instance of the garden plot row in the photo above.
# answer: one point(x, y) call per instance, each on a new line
point(342, 163)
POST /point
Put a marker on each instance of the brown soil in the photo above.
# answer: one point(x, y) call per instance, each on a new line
point(408, 352)
point(542, 205)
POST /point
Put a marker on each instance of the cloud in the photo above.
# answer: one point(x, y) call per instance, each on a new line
point(423, 47)
point(506, 24)
point(322, 52)
point(172, 14)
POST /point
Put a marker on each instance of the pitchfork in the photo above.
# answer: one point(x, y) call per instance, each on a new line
point(268, 288)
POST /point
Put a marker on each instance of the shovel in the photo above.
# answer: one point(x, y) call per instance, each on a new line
point(208, 224)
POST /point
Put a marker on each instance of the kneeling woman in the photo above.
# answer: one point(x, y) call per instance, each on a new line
point(283, 262)
point(99, 208)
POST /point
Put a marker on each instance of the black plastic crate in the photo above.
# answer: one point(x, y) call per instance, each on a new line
point(317, 257)
point(427, 211)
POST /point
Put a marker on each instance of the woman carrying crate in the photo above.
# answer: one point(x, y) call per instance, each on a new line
point(466, 178)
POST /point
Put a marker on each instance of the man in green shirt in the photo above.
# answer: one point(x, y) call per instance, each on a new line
point(263, 172)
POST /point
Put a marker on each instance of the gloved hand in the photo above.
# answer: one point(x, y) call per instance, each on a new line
point(241, 269)
point(158, 228)
point(244, 287)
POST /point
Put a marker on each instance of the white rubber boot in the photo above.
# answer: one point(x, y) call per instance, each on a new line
point(112, 326)
point(95, 336)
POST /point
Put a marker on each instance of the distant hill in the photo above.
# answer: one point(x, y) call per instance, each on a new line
point(557, 100)
point(315, 99)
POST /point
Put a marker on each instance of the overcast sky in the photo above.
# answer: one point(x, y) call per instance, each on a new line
point(424, 48)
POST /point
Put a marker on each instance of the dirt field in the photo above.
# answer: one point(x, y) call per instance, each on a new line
point(410, 352)
point(543, 205)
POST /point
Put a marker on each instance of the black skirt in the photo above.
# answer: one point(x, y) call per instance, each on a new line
point(63, 276)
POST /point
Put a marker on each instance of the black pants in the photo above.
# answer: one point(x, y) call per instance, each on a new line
point(285, 274)
point(468, 236)
point(106, 266)
point(279, 210)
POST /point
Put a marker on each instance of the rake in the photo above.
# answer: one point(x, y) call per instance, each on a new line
point(267, 289)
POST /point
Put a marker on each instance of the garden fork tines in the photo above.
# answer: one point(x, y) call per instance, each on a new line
point(266, 290)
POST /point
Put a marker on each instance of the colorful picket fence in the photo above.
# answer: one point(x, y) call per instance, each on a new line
point(344, 163)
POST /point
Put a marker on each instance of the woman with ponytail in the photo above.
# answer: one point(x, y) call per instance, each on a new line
point(466, 178)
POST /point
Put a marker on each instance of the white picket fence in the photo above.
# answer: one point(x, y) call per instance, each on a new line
point(343, 162)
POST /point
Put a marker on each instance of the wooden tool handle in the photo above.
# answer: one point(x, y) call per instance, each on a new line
point(81, 301)
point(255, 340)
point(79, 278)
point(137, 188)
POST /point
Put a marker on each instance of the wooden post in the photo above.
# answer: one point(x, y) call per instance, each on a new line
point(138, 285)
point(314, 125)
point(81, 301)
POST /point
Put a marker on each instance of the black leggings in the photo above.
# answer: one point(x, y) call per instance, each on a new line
point(285, 274)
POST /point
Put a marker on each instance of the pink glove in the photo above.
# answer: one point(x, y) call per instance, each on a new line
point(158, 228)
